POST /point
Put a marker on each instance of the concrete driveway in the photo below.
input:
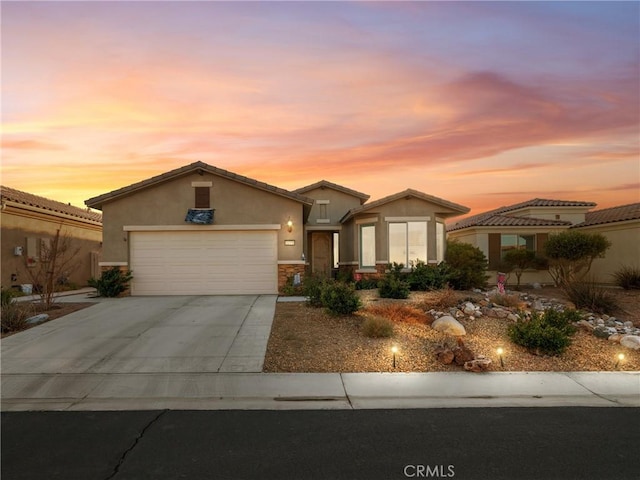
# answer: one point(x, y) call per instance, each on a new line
point(182, 334)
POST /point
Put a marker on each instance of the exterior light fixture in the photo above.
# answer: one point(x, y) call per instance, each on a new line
point(394, 350)
point(500, 351)
point(289, 225)
point(620, 358)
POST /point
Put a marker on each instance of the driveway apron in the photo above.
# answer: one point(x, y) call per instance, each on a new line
point(181, 334)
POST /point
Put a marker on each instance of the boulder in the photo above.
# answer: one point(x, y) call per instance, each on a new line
point(42, 317)
point(631, 341)
point(449, 325)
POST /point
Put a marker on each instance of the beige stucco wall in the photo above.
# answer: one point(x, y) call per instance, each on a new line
point(234, 203)
point(339, 204)
point(624, 250)
point(18, 225)
point(405, 207)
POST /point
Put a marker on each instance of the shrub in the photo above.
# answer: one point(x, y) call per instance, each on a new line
point(628, 277)
point(467, 266)
point(442, 299)
point(289, 289)
point(312, 289)
point(428, 277)
point(505, 300)
point(393, 287)
point(340, 298)
point(6, 297)
point(14, 316)
point(518, 260)
point(377, 327)
point(591, 297)
point(549, 333)
point(111, 283)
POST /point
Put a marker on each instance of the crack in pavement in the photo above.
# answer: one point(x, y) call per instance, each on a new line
point(116, 469)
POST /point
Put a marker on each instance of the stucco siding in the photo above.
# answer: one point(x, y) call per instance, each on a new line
point(339, 204)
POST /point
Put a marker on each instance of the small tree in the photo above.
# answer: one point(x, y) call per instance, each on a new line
point(518, 260)
point(57, 261)
point(571, 253)
point(467, 266)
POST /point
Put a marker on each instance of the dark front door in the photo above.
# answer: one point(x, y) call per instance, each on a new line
point(321, 248)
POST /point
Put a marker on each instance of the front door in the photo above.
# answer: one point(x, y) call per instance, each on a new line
point(321, 248)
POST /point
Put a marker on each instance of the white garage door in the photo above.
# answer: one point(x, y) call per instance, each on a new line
point(204, 262)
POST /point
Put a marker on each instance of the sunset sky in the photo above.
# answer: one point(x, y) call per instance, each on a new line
point(483, 104)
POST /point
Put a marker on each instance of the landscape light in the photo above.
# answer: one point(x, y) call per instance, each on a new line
point(394, 350)
point(620, 358)
point(500, 352)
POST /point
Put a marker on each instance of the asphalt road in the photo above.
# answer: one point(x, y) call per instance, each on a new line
point(478, 443)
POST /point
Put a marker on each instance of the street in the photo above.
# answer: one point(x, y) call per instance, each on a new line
point(476, 443)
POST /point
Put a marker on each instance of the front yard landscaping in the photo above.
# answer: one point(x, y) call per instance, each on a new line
point(307, 339)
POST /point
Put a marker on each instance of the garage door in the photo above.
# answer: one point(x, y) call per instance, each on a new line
point(203, 262)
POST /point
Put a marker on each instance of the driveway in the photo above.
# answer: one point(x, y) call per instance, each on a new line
point(182, 334)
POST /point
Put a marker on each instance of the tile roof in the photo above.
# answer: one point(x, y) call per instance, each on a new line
point(325, 184)
point(406, 194)
point(485, 219)
point(96, 202)
point(24, 198)
point(610, 215)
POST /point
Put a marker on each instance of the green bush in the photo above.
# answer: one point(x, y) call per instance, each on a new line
point(467, 266)
point(571, 253)
point(367, 284)
point(549, 333)
point(340, 298)
point(112, 282)
point(289, 289)
point(377, 327)
point(312, 289)
point(628, 278)
point(428, 277)
point(589, 296)
point(6, 297)
point(393, 287)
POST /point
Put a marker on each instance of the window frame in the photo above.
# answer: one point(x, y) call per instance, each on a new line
point(361, 246)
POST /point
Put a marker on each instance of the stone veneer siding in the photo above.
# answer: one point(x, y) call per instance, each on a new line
point(353, 270)
point(287, 271)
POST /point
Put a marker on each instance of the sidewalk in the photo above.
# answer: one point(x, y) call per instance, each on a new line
point(290, 391)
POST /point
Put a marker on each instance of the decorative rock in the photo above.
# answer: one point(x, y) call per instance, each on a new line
point(615, 337)
point(628, 324)
point(469, 308)
point(599, 321)
point(631, 341)
point(477, 314)
point(512, 317)
point(444, 356)
point(42, 317)
point(586, 325)
point(478, 365)
point(462, 354)
point(601, 333)
point(537, 286)
point(501, 313)
point(605, 317)
point(449, 325)
point(537, 305)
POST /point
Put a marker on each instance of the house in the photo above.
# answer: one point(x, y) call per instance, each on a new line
point(621, 226)
point(30, 221)
point(199, 229)
point(527, 225)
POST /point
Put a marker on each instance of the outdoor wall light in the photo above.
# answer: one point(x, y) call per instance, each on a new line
point(620, 358)
point(289, 225)
point(500, 351)
point(394, 350)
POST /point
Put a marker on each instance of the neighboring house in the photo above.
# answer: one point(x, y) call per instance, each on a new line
point(621, 226)
point(29, 221)
point(203, 230)
point(527, 225)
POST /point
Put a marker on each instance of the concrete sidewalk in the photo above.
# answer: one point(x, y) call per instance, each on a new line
point(215, 391)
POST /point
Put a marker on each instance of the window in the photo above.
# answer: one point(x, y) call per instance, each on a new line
point(323, 211)
point(336, 250)
point(202, 199)
point(407, 242)
point(440, 241)
point(367, 246)
point(511, 242)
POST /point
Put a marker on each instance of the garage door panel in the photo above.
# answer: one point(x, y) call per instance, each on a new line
point(201, 263)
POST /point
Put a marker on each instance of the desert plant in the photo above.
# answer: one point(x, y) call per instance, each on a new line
point(312, 289)
point(627, 277)
point(467, 266)
point(428, 277)
point(112, 282)
point(518, 260)
point(399, 312)
point(571, 253)
point(505, 300)
point(6, 297)
point(589, 296)
point(14, 316)
point(393, 287)
point(441, 299)
point(548, 334)
point(377, 327)
point(340, 298)
point(367, 283)
point(291, 289)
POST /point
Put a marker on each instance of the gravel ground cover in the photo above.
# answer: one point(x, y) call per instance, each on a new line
point(305, 339)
